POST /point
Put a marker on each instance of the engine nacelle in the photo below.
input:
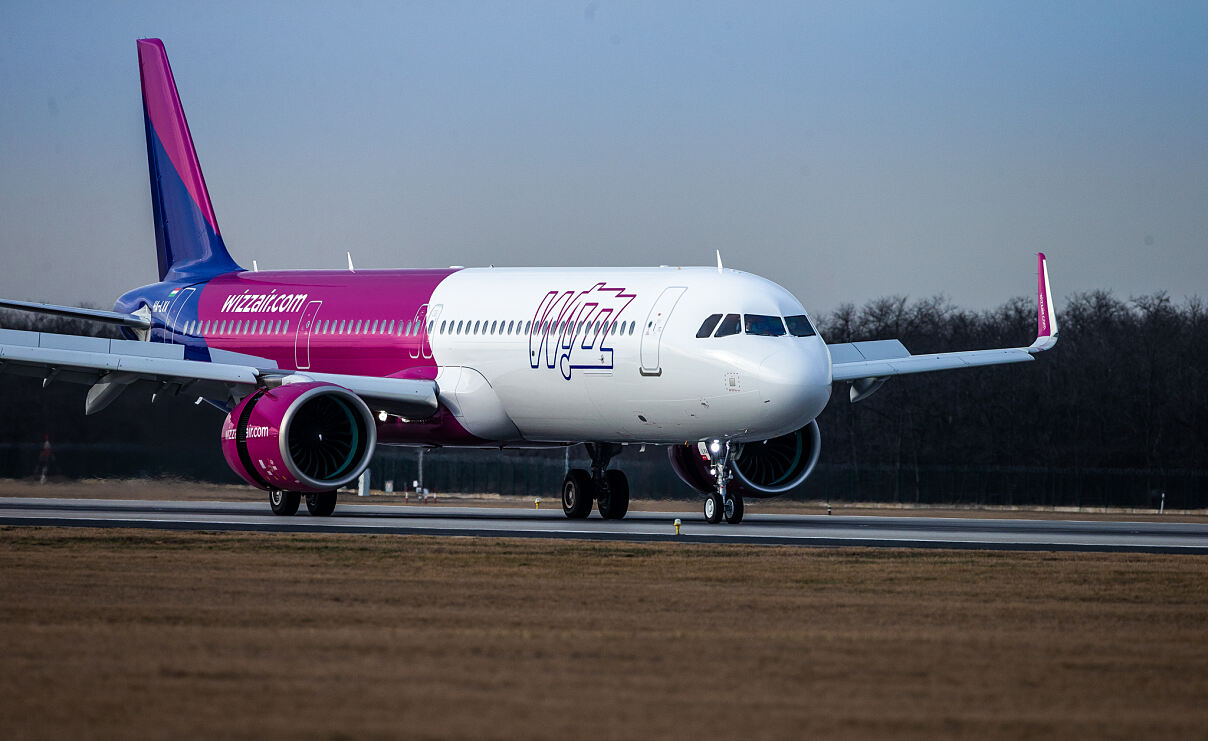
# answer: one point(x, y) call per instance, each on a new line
point(303, 437)
point(761, 469)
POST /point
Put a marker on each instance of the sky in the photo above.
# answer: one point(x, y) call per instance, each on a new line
point(844, 150)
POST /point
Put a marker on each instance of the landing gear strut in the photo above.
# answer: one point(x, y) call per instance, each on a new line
point(722, 503)
point(608, 488)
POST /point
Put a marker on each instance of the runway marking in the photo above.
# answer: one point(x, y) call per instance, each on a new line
point(799, 530)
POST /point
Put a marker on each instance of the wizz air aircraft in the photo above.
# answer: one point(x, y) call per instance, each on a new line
point(314, 369)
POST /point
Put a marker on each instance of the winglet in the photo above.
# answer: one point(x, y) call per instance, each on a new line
point(1046, 315)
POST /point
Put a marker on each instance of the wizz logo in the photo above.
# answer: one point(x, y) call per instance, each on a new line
point(571, 329)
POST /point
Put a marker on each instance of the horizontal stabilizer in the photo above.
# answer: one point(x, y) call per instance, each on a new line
point(132, 321)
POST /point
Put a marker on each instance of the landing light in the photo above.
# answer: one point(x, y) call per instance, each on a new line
point(715, 446)
point(382, 416)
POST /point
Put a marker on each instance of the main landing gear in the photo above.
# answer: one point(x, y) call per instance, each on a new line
point(722, 503)
point(285, 503)
point(608, 488)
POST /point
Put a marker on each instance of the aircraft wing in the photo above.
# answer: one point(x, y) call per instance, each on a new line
point(112, 366)
point(868, 364)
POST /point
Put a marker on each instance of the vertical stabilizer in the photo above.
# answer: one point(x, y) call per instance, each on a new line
point(186, 233)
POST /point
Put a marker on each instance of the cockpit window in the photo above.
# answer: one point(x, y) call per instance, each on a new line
point(706, 328)
point(799, 326)
point(764, 326)
point(730, 325)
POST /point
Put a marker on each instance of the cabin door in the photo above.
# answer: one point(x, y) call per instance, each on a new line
point(652, 332)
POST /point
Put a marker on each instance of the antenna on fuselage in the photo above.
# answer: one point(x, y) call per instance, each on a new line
point(719, 261)
point(255, 267)
point(351, 269)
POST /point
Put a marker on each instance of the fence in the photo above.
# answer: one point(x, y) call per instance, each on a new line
point(539, 473)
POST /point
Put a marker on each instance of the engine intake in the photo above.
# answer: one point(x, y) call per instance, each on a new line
point(761, 469)
point(303, 437)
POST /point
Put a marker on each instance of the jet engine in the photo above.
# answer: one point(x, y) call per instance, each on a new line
point(302, 437)
point(761, 469)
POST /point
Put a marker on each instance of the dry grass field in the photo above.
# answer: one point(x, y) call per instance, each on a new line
point(120, 633)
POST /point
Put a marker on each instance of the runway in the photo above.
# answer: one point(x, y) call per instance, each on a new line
point(767, 529)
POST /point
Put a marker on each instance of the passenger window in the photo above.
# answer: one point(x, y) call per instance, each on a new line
point(286, 327)
point(706, 327)
point(729, 326)
point(764, 326)
point(442, 326)
point(799, 326)
point(528, 326)
point(459, 323)
point(632, 325)
point(493, 326)
point(476, 327)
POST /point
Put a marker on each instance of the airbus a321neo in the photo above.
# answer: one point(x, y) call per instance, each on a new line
point(315, 368)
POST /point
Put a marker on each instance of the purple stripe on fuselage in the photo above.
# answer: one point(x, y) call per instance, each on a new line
point(370, 323)
point(163, 109)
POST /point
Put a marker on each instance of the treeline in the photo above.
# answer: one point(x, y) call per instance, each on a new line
point(1117, 413)
point(1124, 390)
point(130, 438)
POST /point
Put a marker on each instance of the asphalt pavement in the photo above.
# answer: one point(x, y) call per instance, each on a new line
point(771, 529)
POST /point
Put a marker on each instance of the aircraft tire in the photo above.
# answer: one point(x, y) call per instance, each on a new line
point(284, 503)
point(614, 503)
point(321, 504)
point(713, 509)
point(577, 494)
point(734, 511)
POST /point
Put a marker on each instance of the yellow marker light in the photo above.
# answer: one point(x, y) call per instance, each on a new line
point(677, 525)
point(537, 503)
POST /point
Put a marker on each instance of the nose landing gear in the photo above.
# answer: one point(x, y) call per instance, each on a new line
point(722, 503)
point(608, 488)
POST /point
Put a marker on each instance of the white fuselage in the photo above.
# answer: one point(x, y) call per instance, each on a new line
point(532, 354)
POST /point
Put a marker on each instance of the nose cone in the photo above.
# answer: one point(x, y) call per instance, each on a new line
point(795, 383)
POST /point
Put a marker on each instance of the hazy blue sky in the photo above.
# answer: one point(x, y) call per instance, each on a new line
point(845, 151)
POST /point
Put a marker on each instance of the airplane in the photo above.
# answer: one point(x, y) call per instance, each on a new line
point(315, 368)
